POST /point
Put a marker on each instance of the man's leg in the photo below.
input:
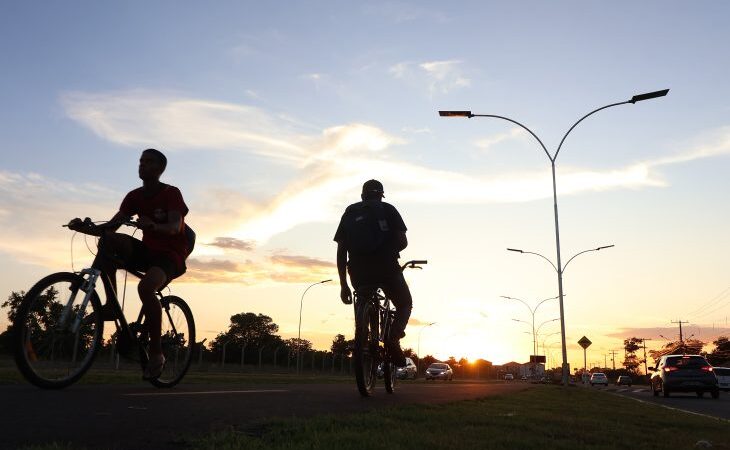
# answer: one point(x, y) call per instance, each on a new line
point(148, 286)
point(400, 295)
point(116, 245)
point(397, 291)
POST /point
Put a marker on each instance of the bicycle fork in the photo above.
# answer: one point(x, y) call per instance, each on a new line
point(87, 287)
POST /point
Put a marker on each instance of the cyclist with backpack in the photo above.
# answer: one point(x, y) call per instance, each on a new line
point(160, 254)
point(372, 233)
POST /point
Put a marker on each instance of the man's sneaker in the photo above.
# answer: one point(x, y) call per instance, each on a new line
point(396, 353)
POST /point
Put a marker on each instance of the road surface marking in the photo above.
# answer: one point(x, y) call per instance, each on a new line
point(251, 391)
point(710, 416)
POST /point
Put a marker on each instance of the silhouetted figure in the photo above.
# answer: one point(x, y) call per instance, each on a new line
point(161, 254)
point(372, 234)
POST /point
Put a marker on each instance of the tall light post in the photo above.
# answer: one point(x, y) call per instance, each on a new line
point(418, 368)
point(553, 158)
point(533, 311)
point(299, 333)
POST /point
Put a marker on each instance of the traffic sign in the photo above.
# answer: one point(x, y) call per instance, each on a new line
point(584, 342)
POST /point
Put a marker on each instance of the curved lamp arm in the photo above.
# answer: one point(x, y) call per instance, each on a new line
point(516, 123)
point(585, 251)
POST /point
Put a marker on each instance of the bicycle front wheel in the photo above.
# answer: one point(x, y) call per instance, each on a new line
point(366, 348)
point(178, 341)
point(56, 336)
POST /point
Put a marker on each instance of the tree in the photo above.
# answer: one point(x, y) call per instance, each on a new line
point(294, 343)
point(631, 361)
point(688, 346)
point(721, 353)
point(342, 346)
point(409, 353)
point(13, 303)
point(246, 330)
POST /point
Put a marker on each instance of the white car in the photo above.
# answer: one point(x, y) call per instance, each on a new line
point(599, 378)
point(723, 377)
point(509, 377)
point(409, 371)
point(439, 371)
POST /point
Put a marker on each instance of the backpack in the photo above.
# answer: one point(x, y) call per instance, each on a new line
point(366, 227)
point(190, 236)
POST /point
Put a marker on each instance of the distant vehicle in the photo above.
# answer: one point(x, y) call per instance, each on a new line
point(524, 378)
point(684, 373)
point(623, 380)
point(509, 377)
point(599, 378)
point(723, 377)
point(439, 371)
point(409, 371)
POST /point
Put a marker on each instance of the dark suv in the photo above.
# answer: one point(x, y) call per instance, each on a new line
point(684, 373)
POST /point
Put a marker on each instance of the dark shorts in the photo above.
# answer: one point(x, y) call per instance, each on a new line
point(143, 258)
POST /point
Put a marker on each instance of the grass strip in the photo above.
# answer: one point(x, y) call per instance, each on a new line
point(543, 417)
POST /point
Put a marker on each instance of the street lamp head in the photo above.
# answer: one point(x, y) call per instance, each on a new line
point(456, 114)
point(515, 250)
point(605, 246)
point(325, 281)
point(648, 96)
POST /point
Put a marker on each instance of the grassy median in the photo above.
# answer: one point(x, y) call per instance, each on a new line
point(543, 417)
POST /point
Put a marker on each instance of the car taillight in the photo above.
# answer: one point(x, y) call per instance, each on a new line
point(707, 368)
point(670, 369)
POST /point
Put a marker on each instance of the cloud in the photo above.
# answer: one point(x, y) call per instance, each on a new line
point(32, 209)
point(438, 76)
point(232, 243)
point(488, 142)
point(334, 162)
point(137, 118)
point(301, 261)
point(277, 268)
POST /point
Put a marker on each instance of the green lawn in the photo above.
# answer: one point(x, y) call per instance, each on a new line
point(543, 417)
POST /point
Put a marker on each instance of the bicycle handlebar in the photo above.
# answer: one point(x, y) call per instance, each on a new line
point(87, 222)
point(414, 264)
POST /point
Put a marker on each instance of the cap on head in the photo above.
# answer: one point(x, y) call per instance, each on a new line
point(373, 188)
point(158, 154)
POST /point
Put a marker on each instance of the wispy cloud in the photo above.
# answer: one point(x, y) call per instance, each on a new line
point(439, 77)
point(277, 268)
point(488, 142)
point(138, 118)
point(334, 162)
point(231, 243)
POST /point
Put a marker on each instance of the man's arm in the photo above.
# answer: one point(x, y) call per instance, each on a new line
point(345, 292)
point(173, 225)
point(401, 240)
point(98, 230)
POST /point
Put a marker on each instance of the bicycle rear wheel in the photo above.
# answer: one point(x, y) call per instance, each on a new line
point(178, 341)
point(366, 347)
point(51, 350)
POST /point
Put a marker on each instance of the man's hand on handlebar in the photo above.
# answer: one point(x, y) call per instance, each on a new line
point(144, 223)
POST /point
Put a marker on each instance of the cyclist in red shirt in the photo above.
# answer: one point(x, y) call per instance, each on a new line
point(160, 211)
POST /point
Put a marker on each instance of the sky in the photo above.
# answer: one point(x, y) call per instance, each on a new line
point(273, 114)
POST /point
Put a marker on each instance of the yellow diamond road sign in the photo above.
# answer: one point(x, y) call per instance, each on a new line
point(584, 342)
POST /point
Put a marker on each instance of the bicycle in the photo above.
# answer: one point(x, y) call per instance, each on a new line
point(57, 332)
point(374, 316)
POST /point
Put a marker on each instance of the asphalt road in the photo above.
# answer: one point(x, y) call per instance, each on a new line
point(141, 417)
point(686, 402)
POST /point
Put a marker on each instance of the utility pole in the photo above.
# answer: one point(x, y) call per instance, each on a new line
point(680, 322)
point(643, 342)
point(613, 358)
point(605, 361)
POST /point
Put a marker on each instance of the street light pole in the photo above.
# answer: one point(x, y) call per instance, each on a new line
point(299, 333)
point(553, 158)
point(418, 368)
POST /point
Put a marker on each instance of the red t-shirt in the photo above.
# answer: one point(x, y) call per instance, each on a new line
point(156, 208)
